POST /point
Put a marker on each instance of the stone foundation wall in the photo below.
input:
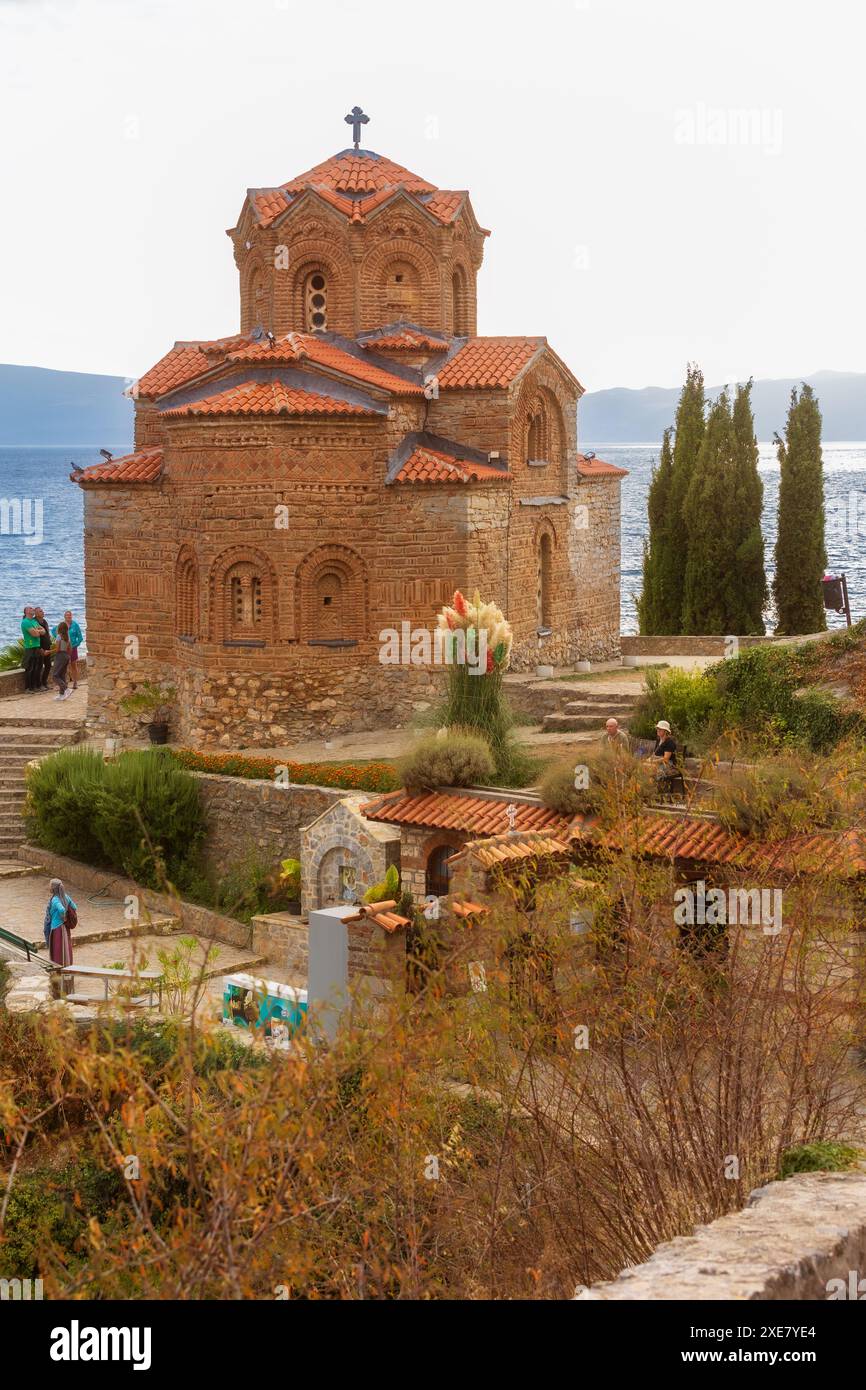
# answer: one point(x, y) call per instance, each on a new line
point(284, 939)
point(248, 817)
point(798, 1239)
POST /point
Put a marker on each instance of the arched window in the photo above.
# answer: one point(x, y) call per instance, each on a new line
point(536, 440)
point(459, 303)
point(186, 598)
point(316, 301)
point(402, 292)
point(545, 580)
point(244, 608)
point(438, 878)
point(331, 596)
point(258, 301)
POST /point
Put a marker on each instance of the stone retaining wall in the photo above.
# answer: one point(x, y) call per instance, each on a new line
point(793, 1240)
point(12, 682)
point(247, 817)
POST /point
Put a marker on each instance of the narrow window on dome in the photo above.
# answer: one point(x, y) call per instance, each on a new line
point(316, 302)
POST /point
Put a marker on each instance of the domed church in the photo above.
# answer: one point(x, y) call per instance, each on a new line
point(336, 469)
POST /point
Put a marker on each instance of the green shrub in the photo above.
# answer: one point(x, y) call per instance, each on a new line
point(12, 657)
point(825, 1156)
point(612, 780)
point(386, 891)
point(61, 795)
point(43, 1209)
point(148, 817)
point(780, 796)
point(140, 815)
point(458, 758)
point(761, 693)
point(686, 699)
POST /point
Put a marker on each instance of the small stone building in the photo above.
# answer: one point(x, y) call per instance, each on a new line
point(337, 467)
point(343, 855)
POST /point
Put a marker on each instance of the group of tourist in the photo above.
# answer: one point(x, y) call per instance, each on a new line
point(663, 756)
point(50, 652)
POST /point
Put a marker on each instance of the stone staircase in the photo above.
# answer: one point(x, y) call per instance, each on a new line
point(21, 741)
point(591, 710)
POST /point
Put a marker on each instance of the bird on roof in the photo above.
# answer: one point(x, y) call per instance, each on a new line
point(107, 455)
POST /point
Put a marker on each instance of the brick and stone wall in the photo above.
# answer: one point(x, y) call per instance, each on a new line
point(341, 846)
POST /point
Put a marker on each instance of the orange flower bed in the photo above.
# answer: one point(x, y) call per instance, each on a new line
point(367, 777)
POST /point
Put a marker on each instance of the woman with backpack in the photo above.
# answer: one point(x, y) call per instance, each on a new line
point(61, 916)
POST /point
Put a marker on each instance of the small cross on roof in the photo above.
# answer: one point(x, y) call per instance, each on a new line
point(356, 118)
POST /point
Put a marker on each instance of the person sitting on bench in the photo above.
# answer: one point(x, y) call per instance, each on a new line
point(665, 753)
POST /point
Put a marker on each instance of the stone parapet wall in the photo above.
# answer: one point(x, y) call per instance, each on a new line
point(703, 646)
point(794, 1240)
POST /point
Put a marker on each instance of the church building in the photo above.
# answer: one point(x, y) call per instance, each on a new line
point(337, 468)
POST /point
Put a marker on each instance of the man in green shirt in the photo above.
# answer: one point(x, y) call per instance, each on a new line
point(31, 632)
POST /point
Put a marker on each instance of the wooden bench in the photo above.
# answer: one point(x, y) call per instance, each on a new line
point(150, 978)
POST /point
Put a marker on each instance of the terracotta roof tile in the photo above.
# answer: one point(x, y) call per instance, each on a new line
point(382, 914)
point(476, 815)
point(488, 362)
point(502, 849)
point(269, 398)
point(143, 467)
point(183, 363)
point(431, 466)
point(405, 340)
point(703, 839)
point(356, 182)
point(310, 347)
point(597, 468)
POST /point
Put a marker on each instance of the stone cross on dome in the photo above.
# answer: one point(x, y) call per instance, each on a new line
point(356, 118)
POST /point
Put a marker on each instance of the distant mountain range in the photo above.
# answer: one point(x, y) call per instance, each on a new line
point(42, 407)
point(623, 416)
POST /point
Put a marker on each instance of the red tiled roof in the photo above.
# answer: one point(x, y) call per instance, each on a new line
point(476, 815)
point(597, 468)
point(143, 467)
point(501, 849)
point(489, 362)
point(185, 362)
point(705, 840)
point(356, 182)
point(298, 347)
point(432, 466)
point(269, 398)
point(406, 340)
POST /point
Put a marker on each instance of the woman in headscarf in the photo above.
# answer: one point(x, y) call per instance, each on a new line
point(59, 939)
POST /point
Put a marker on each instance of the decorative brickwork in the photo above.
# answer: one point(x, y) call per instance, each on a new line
point(295, 496)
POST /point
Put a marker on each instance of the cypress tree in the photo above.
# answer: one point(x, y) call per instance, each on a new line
point(689, 434)
point(801, 555)
point(711, 529)
point(747, 580)
point(653, 607)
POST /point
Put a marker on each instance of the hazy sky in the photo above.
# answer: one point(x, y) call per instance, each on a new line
point(664, 179)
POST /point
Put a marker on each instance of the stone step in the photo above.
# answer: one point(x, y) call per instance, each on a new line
point(601, 697)
point(35, 734)
point(614, 708)
point(67, 729)
point(11, 868)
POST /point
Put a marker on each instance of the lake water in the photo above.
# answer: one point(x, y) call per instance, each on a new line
point(42, 562)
